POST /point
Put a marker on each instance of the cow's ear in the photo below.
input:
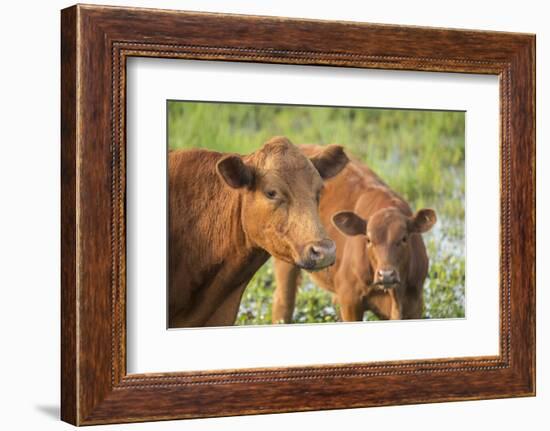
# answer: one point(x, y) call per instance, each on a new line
point(422, 221)
point(234, 172)
point(349, 223)
point(330, 161)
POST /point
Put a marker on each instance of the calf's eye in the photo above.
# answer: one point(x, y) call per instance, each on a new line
point(404, 240)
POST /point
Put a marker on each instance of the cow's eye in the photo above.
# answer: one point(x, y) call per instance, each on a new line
point(404, 239)
point(369, 242)
point(271, 194)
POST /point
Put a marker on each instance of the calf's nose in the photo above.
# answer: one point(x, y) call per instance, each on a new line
point(319, 254)
point(387, 276)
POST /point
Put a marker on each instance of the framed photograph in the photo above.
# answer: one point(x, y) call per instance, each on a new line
point(322, 215)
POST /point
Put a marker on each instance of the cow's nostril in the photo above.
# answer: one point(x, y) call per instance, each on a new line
point(320, 253)
point(315, 251)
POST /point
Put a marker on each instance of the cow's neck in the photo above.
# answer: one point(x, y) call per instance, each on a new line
point(252, 256)
point(223, 224)
point(232, 261)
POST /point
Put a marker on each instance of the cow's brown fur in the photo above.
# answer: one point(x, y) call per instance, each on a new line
point(227, 213)
point(358, 191)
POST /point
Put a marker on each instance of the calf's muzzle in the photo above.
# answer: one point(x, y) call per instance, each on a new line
point(386, 277)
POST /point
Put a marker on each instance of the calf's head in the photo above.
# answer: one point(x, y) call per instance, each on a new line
point(387, 240)
point(280, 190)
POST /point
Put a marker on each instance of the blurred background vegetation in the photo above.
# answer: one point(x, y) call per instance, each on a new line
point(420, 154)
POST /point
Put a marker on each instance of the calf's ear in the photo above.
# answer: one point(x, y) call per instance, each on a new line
point(422, 221)
point(234, 172)
point(349, 223)
point(330, 161)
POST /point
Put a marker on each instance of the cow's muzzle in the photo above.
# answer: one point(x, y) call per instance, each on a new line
point(318, 255)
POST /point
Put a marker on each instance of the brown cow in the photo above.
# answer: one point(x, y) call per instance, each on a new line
point(227, 213)
point(381, 260)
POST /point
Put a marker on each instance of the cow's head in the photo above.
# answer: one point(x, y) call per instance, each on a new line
point(387, 240)
point(280, 190)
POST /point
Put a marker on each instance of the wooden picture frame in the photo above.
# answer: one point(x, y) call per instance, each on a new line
point(95, 43)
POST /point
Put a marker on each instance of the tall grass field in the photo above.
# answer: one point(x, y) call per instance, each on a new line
point(419, 154)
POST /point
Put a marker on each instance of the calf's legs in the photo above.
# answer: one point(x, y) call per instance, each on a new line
point(351, 304)
point(391, 305)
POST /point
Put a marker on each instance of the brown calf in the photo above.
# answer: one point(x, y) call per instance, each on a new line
point(227, 213)
point(381, 260)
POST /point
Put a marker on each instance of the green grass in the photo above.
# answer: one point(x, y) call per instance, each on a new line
point(420, 154)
